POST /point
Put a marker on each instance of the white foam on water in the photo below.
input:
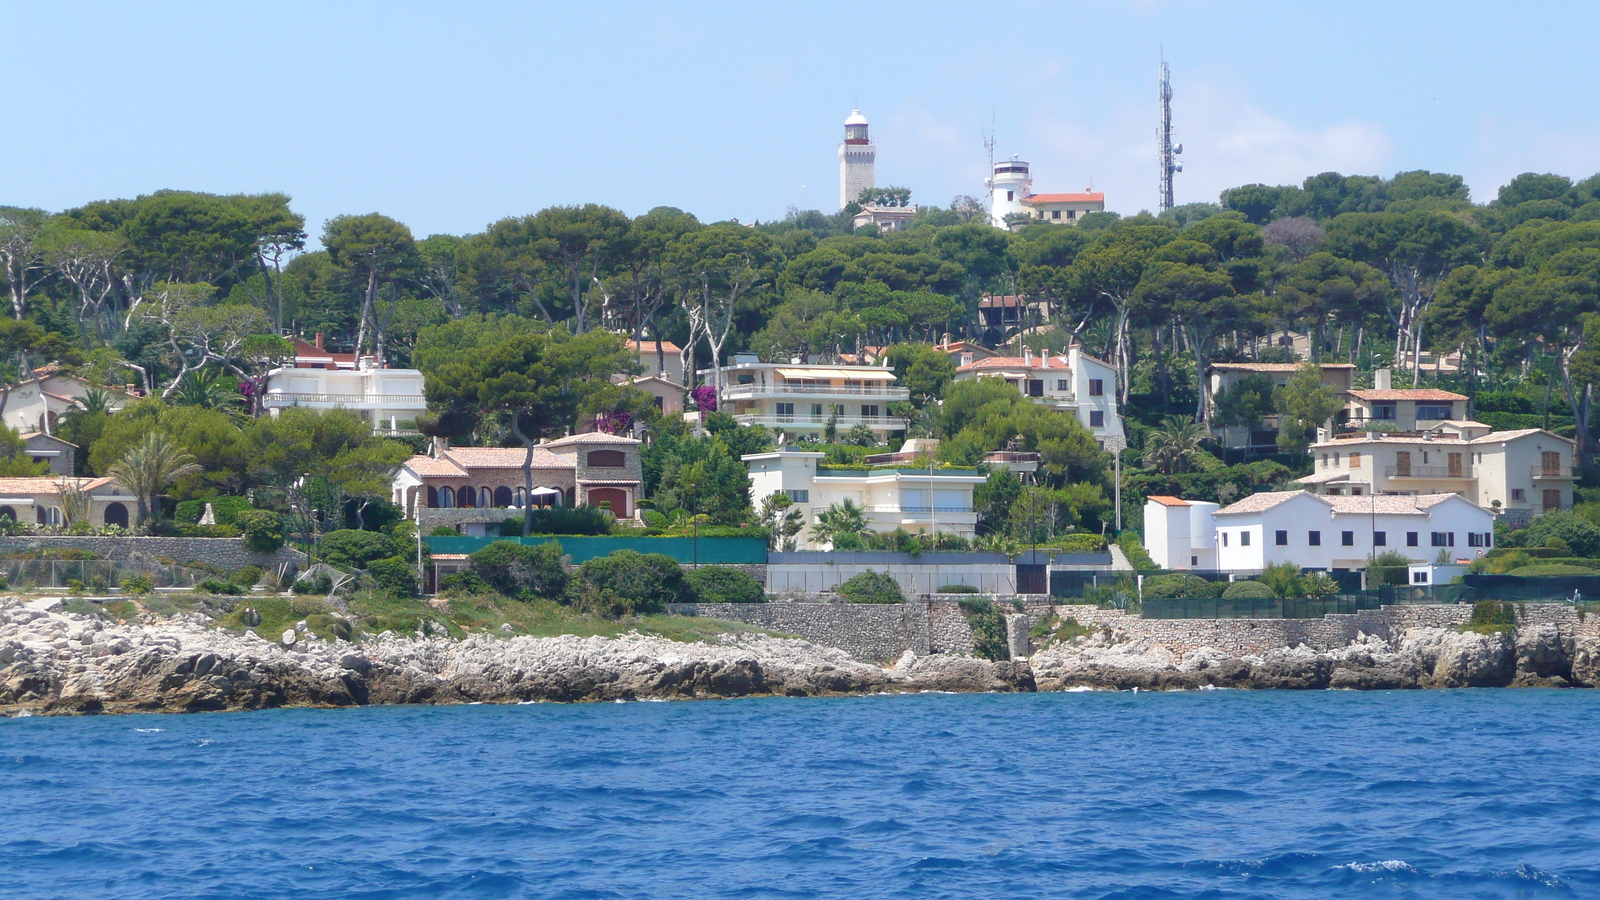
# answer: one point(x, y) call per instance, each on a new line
point(1387, 865)
point(149, 730)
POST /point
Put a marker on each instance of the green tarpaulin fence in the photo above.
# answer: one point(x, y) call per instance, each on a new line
point(720, 551)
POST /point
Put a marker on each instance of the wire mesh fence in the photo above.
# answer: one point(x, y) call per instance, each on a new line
point(95, 574)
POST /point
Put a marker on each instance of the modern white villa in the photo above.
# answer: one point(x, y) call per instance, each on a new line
point(391, 399)
point(919, 500)
point(1314, 532)
point(1520, 473)
point(801, 400)
point(1075, 383)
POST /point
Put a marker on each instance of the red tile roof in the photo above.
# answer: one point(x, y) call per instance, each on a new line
point(1014, 362)
point(1096, 197)
point(651, 346)
point(1167, 501)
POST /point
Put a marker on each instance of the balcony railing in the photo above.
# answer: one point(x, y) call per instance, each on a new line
point(891, 422)
point(746, 391)
point(281, 399)
point(1428, 471)
point(1551, 472)
point(920, 510)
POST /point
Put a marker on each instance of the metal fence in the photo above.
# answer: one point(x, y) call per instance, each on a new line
point(93, 573)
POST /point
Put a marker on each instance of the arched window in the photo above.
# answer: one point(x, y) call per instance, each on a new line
point(485, 498)
point(433, 497)
point(467, 497)
point(519, 498)
point(447, 498)
point(502, 497)
point(607, 459)
point(7, 512)
point(116, 514)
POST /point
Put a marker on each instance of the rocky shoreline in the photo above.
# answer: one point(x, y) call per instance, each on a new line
point(62, 663)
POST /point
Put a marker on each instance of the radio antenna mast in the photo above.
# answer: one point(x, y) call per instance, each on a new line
point(1169, 150)
point(988, 144)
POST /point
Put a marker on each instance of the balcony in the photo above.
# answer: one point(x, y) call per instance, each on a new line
point(1428, 471)
point(417, 401)
point(922, 511)
point(1552, 472)
point(750, 391)
point(888, 423)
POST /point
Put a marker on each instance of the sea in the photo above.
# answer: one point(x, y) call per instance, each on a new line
point(1213, 794)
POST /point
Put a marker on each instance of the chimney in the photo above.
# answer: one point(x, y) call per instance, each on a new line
point(966, 358)
point(318, 344)
point(1381, 380)
point(1027, 358)
point(439, 446)
point(1044, 358)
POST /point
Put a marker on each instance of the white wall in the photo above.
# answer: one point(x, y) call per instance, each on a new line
point(1302, 515)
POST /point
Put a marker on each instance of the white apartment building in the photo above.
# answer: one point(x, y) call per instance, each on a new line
point(1521, 473)
point(390, 399)
point(1075, 383)
point(800, 400)
point(915, 499)
point(1320, 532)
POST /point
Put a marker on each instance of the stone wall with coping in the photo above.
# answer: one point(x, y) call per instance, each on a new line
point(228, 554)
point(878, 632)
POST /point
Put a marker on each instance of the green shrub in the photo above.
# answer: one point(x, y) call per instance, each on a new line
point(322, 584)
point(1577, 534)
point(1165, 587)
point(570, 520)
point(1538, 569)
point(1247, 590)
point(628, 583)
point(465, 583)
point(351, 548)
point(871, 587)
point(988, 629)
point(511, 527)
point(138, 584)
point(226, 510)
point(442, 531)
point(1493, 612)
point(720, 584)
point(1083, 543)
point(74, 585)
point(249, 576)
point(957, 589)
point(1318, 584)
point(218, 586)
point(654, 519)
point(1134, 550)
point(522, 571)
point(395, 576)
point(206, 531)
point(1390, 567)
point(263, 529)
point(328, 626)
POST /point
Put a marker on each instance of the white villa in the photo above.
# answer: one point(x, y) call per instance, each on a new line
point(1314, 532)
point(1521, 473)
point(1076, 383)
point(391, 399)
point(915, 499)
point(800, 400)
point(35, 404)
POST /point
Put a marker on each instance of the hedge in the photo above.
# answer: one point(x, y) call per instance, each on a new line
point(872, 587)
point(1247, 590)
point(721, 584)
point(1166, 587)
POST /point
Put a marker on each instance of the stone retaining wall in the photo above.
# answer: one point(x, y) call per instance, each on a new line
point(877, 632)
point(228, 554)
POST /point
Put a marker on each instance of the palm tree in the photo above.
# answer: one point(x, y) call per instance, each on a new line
point(208, 391)
point(94, 402)
point(844, 517)
point(149, 466)
point(1171, 448)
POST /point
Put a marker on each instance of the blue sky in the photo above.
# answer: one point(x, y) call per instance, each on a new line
point(449, 116)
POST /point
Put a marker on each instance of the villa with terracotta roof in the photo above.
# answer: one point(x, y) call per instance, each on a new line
point(1330, 533)
point(1222, 376)
point(1075, 383)
point(474, 487)
point(1064, 209)
point(1519, 473)
point(660, 359)
point(41, 500)
point(35, 404)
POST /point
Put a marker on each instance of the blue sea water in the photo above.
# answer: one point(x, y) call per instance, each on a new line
point(1450, 794)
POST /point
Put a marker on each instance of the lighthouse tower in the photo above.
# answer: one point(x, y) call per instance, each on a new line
point(857, 158)
point(1009, 185)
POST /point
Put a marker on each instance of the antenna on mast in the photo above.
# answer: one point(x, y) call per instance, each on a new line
point(988, 144)
point(1169, 150)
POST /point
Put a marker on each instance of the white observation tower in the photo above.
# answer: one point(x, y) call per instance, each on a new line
point(857, 159)
point(1009, 185)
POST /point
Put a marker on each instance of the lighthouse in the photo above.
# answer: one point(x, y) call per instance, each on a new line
point(857, 159)
point(1009, 185)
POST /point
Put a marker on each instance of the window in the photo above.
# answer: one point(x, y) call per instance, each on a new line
point(1224, 538)
point(1244, 538)
point(660, 403)
point(1061, 384)
point(1384, 411)
point(869, 410)
point(1336, 459)
point(1355, 492)
point(1551, 500)
point(1194, 561)
point(1474, 539)
point(607, 459)
point(1055, 213)
point(1347, 538)
point(1324, 460)
point(786, 410)
point(1097, 419)
point(1036, 387)
point(1419, 577)
point(1011, 195)
point(1518, 495)
point(1444, 538)
point(1097, 387)
point(1355, 460)
point(1314, 538)
point(799, 496)
point(1411, 539)
point(1432, 413)
point(1281, 538)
